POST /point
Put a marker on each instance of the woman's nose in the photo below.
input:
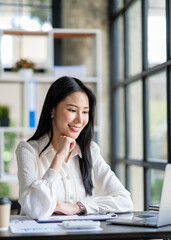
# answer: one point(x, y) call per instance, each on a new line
point(78, 118)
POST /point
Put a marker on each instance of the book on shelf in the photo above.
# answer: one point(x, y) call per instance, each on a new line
point(154, 207)
point(31, 103)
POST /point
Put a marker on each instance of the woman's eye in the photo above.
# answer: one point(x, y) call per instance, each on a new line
point(85, 112)
point(71, 110)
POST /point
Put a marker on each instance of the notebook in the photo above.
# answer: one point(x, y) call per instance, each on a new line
point(61, 218)
point(151, 219)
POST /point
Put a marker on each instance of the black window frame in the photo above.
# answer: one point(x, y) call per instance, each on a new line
point(146, 72)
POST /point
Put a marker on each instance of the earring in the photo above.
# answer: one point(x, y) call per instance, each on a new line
point(52, 116)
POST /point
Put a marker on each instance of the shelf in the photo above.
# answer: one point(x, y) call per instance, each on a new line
point(48, 77)
point(58, 32)
point(15, 78)
point(68, 33)
point(16, 129)
point(40, 78)
point(21, 33)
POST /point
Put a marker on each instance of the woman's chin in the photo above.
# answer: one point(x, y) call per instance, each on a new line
point(73, 135)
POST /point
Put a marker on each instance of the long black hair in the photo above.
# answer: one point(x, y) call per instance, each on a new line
point(59, 90)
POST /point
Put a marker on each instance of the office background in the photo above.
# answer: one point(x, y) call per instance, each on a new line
point(134, 101)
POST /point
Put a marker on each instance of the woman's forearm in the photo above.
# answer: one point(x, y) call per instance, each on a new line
point(67, 208)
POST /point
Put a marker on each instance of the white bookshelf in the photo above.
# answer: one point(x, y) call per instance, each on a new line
point(49, 77)
point(40, 78)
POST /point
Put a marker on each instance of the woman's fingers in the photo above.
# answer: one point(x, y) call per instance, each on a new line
point(72, 145)
point(66, 144)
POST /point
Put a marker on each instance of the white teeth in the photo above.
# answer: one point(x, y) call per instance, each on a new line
point(76, 128)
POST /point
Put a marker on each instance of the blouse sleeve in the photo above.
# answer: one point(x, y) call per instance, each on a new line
point(36, 196)
point(110, 194)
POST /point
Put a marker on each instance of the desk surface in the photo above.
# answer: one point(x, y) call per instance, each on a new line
point(109, 232)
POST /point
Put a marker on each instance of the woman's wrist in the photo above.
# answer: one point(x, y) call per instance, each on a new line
point(67, 208)
point(57, 163)
point(77, 209)
point(83, 209)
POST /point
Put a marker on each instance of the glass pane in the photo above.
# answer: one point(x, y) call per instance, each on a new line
point(119, 123)
point(120, 173)
point(35, 18)
point(135, 120)
point(136, 187)
point(11, 190)
point(118, 5)
point(156, 185)
point(27, 15)
point(134, 39)
point(156, 32)
point(119, 49)
point(13, 48)
point(11, 140)
point(157, 117)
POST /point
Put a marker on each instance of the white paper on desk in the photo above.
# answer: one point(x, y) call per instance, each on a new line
point(60, 218)
point(96, 229)
point(31, 226)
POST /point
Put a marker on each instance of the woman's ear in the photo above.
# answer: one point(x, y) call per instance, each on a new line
point(52, 113)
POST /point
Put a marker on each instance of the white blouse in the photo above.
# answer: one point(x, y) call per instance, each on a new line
point(40, 186)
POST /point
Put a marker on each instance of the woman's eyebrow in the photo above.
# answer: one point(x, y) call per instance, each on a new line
point(73, 105)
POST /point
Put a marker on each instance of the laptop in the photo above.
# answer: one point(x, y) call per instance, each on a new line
point(151, 218)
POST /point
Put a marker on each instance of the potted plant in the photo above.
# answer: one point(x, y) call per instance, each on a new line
point(4, 190)
point(25, 68)
point(4, 115)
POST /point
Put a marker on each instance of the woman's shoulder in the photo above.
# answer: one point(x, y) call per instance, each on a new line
point(95, 150)
point(34, 146)
point(94, 146)
point(31, 146)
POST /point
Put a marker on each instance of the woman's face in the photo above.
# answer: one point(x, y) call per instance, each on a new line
point(71, 115)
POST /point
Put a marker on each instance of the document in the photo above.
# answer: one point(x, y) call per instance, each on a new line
point(31, 226)
point(60, 218)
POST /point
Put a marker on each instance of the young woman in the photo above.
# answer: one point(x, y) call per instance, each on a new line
point(60, 168)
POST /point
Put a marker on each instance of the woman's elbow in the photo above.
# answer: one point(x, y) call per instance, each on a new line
point(130, 205)
point(125, 203)
point(37, 208)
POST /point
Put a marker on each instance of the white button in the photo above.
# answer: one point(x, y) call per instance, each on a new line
point(68, 177)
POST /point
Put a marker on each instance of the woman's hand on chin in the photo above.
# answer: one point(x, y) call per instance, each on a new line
point(65, 145)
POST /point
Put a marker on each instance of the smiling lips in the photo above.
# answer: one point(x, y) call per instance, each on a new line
point(74, 129)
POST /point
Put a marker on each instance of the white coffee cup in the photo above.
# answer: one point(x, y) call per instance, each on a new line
point(5, 208)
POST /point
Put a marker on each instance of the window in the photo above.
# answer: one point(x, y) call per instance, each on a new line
point(33, 15)
point(140, 44)
point(26, 15)
point(17, 16)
